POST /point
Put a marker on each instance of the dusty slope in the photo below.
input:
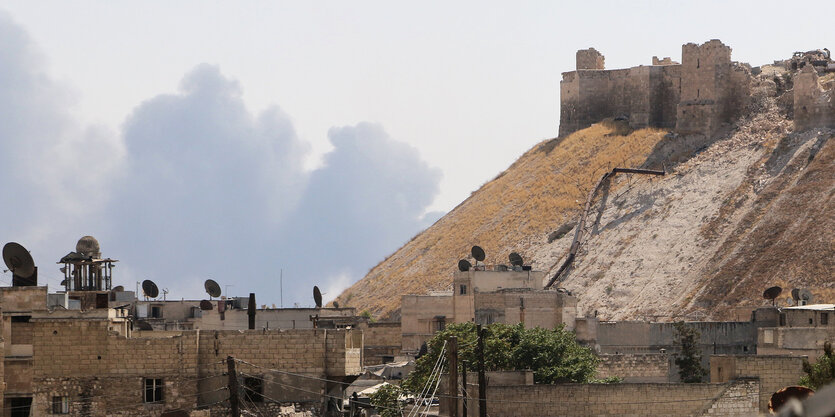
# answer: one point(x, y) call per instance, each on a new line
point(751, 210)
point(514, 212)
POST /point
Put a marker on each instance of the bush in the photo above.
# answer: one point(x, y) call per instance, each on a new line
point(689, 360)
point(387, 401)
point(822, 372)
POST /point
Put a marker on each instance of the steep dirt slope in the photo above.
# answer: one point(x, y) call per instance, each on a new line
point(752, 209)
point(513, 212)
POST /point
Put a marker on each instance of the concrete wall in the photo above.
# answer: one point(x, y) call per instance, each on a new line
point(418, 313)
point(795, 341)
point(379, 340)
point(546, 309)
point(639, 399)
point(773, 372)
point(635, 367)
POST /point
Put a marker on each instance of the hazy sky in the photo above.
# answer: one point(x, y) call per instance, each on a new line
point(236, 139)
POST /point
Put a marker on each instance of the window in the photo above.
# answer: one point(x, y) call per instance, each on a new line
point(21, 330)
point(439, 323)
point(253, 390)
point(824, 319)
point(153, 390)
point(782, 319)
point(388, 359)
point(60, 405)
point(156, 312)
point(462, 290)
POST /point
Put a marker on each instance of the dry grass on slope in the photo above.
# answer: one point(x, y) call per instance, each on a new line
point(513, 212)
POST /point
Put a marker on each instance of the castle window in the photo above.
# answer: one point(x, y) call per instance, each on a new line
point(153, 390)
point(60, 405)
point(698, 62)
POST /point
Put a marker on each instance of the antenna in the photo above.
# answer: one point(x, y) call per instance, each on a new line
point(515, 259)
point(206, 305)
point(464, 265)
point(772, 294)
point(20, 262)
point(478, 253)
point(150, 289)
point(164, 293)
point(212, 288)
point(317, 296)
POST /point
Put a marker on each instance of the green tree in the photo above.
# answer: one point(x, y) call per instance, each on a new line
point(822, 372)
point(387, 400)
point(689, 360)
point(553, 355)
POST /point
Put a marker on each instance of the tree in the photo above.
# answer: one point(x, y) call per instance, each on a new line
point(822, 372)
point(553, 355)
point(387, 400)
point(689, 360)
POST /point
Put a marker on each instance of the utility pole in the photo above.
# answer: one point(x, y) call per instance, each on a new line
point(482, 379)
point(464, 384)
point(452, 355)
point(234, 401)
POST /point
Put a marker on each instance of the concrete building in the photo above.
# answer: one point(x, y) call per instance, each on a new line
point(486, 295)
point(800, 331)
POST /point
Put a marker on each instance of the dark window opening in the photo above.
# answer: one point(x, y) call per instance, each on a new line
point(698, 62)
point(388, 359)
point(824, 319)
point(744, 349)
point(439, 323)
point(60, 405)
point(811, 321)
point(462, 290)
point(253, 389)
point(783, 319)
point(101, 301)
point(153, 390)
point(156, 312)
point(20, 407)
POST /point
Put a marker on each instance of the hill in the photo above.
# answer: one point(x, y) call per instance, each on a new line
point(751, 208)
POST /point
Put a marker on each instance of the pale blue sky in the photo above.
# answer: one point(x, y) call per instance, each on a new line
point(470, 85)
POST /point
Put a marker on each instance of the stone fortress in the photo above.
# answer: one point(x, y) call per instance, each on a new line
point(697, 96)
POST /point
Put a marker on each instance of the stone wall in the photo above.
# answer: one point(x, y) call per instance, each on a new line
point(382, 339)
point(100, 370)
point(590, 59)
point(628, 399)
point(773, 372)
point(635, 367)
point(813, 106)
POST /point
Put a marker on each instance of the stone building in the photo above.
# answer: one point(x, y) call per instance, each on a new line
point(483, 296)
point(93, 351)
point(696, 96)
point(800, 331)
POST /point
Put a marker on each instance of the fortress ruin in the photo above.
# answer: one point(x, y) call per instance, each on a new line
point(696, 96)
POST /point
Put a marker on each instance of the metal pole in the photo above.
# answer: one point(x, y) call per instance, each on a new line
point(234, 401)
point(452, 355)
point(464, 384)
point(281, 287)
point(482, 379)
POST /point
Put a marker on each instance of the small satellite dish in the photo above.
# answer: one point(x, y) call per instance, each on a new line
point(464, 265)
point(150, 289)
point(515, 259)
point(335, 304)
point(212, 288)
point(796, 294)
point(789, 301)
point(772, 294)
point(206, 305)
point(317, 296)
point(18, 260)
point(478, 253)
point(119, 288)
point(806, 296)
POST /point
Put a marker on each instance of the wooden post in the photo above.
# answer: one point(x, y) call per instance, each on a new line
point(464, 384)
point(482, 379)
point(452, 355)
point(234, 401)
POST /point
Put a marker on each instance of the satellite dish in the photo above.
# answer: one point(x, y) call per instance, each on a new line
point(788, 301)
point(464, 265)
point(806, 296)
point(206, 305)
point(781, 397)
point(515, 259)
point(212, 288)
point(18, 260)
point(317, 296)
point(119, 288)
point(796, 294)
point(772, 294)
point(150, 289)
point(335, 304)
point(478, 253)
